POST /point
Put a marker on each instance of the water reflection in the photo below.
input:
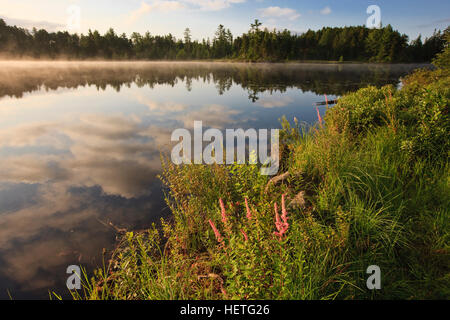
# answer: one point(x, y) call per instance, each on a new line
point(17, 78)
point(80, 145)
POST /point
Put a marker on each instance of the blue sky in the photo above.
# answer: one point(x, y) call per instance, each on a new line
point(203, 16)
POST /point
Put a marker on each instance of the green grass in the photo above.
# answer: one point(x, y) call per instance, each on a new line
point(371, 187)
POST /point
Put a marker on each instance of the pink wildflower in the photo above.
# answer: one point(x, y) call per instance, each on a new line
point(216, 232)
point(283, 210)
point(319, 117)
point(281, 224)
point(249, 214)
point(244, 234)
point(277, 217)
point(222, 209)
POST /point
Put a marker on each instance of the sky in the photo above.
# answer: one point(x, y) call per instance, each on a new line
point(160, 17)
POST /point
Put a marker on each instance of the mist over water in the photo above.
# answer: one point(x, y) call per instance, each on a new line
point(20, 77)
point(80, 144)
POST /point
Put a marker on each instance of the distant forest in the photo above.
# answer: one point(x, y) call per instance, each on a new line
point(356, 43)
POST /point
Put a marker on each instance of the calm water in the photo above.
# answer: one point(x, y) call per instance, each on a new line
point(80, 143)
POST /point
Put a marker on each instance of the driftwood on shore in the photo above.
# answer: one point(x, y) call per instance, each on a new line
point(322, 103)
point(276, 180)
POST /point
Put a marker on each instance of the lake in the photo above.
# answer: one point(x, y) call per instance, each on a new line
point(80, 146)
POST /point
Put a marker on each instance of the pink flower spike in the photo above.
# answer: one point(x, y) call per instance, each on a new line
point(283, 210)
point(249, 214)
point(282, 226)
point(245, 235)
point(277, 216)
point(319, 117)
point(216, 232)
point(222, 209)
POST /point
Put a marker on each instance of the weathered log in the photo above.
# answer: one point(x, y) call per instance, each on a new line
point(276, 180)
point(322, 103)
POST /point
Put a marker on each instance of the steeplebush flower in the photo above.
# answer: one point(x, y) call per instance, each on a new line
point(223, 212)
point(216, 232)
point(281, 223)
point(319, 117)
point(244, 234)
point(249, 214)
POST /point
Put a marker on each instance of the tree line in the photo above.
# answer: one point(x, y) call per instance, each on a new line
point(355, 43)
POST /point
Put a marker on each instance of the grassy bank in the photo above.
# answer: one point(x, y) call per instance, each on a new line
point(368, 185)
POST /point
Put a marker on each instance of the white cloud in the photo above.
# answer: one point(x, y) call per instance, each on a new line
point(159, 5)
point(214, 116)
point(213, 5)
point(173, 5)
point(278, 13)
point(128, 151)
point(30, 24)
point(326, 10)
point(274, 101)
point(160, 108)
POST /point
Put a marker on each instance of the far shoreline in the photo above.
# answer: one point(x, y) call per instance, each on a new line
point(215, 61)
